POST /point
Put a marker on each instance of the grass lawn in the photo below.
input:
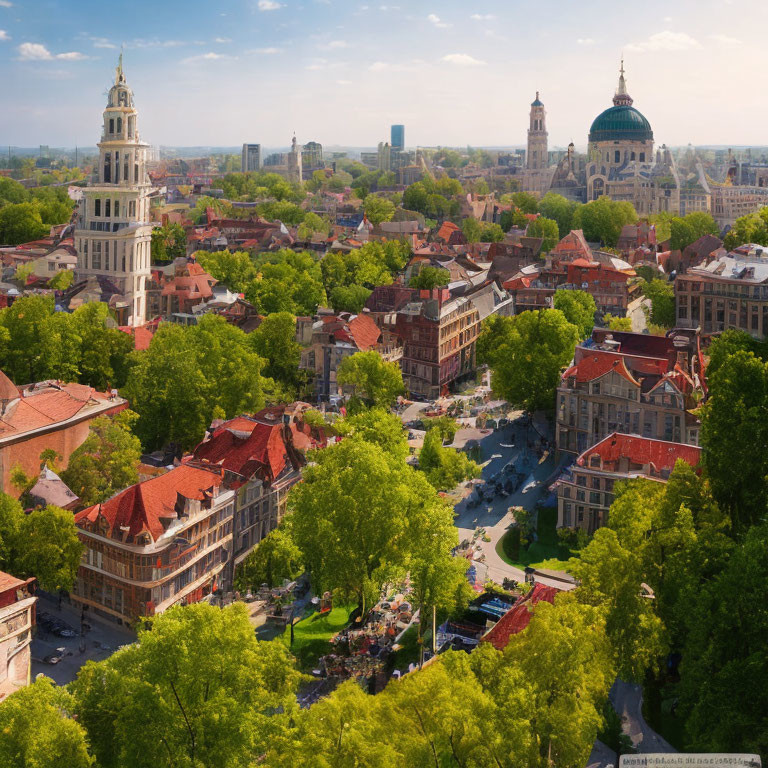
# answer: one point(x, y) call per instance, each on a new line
point(547, 552)
point(311, 636)
point(409, 653)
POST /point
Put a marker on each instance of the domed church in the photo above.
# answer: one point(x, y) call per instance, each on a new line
point(621, 160)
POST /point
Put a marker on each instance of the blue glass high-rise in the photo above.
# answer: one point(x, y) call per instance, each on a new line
point(397, 138)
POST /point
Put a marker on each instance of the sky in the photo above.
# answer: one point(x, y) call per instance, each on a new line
point(454, 72)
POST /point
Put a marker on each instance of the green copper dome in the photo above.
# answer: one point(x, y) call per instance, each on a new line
point(620, 123)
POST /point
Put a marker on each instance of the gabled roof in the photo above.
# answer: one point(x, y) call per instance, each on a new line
point(364, 331)
point(517, 618)
point(596, 364)
point(641, 450)
point(143, 507)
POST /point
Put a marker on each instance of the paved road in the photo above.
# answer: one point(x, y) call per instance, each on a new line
point(602, 756)
point(627, 700)
point(495, 517)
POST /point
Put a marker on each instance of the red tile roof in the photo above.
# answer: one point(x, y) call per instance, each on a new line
point(596, 364)
point(52, 405)
point(517, 618)
point(144, 506)
point(641, 450)
point(364, 331)
point(246, 446)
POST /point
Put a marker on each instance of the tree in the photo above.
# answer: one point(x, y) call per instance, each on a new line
point(349, 298)
point(446, 426)
point(752, 228)
point(359, 515)
point(188, 374)
point(526, 354)
point(471, 229)
point(603, 219)
point(235, 269)
point(444, 467)
point(525, 201)
point(662, 296)
point(37, 730)
point(21, 223)
point(724, 686)
point(378, 209)
point(560, 209)
point(312, 224)
point(106, 461)
point(275, 558)
point(168, 243)
point(275, 342)
point(491, 233)
point(371, 377)
point(734, 421)
point(546, 229)
point(728, 343)
point(611, 576)
point(377, 426)
point(61, 280)
point(616, 323)
point(196, 689)
point(288, 281)
point(579, 309)
point(428, 278)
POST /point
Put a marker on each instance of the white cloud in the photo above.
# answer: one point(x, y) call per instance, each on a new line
point(667, 19)
point(379, 66)
point(266, 51)
point(268, 5)
point(338, 44)
point(434, 19)
point(4, 35)
point(482, 17)
point(210, 56)
point(222, 39)
point(343, 82)
point(6, 4)
point(463, 60)
point(585, 41)
point(38, 52)
point(665, 41)
point(725, 41)
point(102, 42)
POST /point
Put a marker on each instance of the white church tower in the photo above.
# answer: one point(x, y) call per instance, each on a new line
point(113, 232)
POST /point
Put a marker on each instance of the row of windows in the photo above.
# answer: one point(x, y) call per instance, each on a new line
point(111, 208)
point(114, 255)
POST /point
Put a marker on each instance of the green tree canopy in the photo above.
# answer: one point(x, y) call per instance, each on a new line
point(37, 729)
point(662, 296)
point(275, 342)
point(287, 281)
point(685, 230)
point(187, 374)
point(444, 467)
point(378, 426)
point(526, 202)
point(428, 278)
point(373, 379)
point(546, 229)
point(378, 209)
point(752, 228)
point(197, 689)
point(168, 243)
point(526, 354)
point(276, 557)
point(579, 309)
point(235, 269)
point(560, 209)
point(106, 461)
point(602, 219)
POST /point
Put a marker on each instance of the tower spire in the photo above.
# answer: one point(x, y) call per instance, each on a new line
point(622, 97)
point(119, 71)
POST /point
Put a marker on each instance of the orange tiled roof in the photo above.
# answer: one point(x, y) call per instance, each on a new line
point(641, 450)
point(517, 618)
point(596, 364)
point(144, 506)
point(364, 331)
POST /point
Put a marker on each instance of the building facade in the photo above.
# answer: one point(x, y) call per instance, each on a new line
point(250, 159)
point(158, 543)
point(397, 136)
point(113, 229)
point(537, 156)
point(729, 292)
point(629, 383)
point(585, 490)
point(17, 618)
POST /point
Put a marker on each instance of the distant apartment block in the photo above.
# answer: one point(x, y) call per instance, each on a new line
point(251, 158)
point(397, 136)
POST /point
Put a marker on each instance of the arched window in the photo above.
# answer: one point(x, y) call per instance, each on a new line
point(632, 156)
point(107, 207)
point(117, 207)
point(617, 156)
point(119, 124)
point(97, 207)
point(108, 168)
point(117, 167)
point(642, 157)
point(111, 124)
point(135, 173)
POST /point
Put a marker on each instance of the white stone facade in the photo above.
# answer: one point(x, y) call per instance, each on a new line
point(113, 231)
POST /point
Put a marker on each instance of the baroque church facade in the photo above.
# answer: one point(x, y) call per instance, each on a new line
point(620, 160)
point(113, 231)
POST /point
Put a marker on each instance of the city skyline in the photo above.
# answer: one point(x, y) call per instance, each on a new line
point(341, 72)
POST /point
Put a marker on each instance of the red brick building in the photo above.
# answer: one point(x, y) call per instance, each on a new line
point(49, 414)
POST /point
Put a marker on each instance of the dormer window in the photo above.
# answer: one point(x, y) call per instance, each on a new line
point(594, 460)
